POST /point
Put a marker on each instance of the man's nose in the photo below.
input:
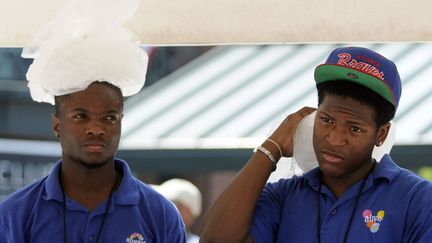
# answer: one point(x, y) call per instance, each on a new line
point(95, 127)
point(337, 136)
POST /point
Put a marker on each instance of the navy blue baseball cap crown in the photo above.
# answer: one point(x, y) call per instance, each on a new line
point(365, 67)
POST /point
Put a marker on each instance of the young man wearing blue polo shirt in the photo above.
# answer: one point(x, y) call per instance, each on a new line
point(350, 197)
point(84, 65)
point(89, 196)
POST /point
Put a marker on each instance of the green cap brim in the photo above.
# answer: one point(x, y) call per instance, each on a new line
point(326, 72)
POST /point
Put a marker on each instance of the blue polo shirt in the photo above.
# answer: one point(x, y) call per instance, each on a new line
point(137, 214)
point(395, 206)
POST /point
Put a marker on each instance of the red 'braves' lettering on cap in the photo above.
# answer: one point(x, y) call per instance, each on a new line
point(363, 66)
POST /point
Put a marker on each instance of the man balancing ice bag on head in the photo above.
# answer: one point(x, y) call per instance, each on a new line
point(350, 197)
point(84, 63)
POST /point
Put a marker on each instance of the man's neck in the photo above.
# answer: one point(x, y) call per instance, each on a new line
point(338, 185)
point(88, 186)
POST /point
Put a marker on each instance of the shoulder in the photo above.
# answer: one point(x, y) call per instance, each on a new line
point(287, 185)
point(22, 198)
point(17, 209)
point(411, 182)
point(276, 193)
point(401, 183)
point(414, 193)
point(415, 186)
point(400, 177)
point(133, 190)
point(154, 199)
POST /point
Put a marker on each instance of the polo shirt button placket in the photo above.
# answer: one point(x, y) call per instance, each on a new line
point(334, 211)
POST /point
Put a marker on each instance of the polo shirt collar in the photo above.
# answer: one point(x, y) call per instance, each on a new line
point(128, 188)
point(128, 192)
point(387, 169)
point(313, 177)
point(52, 186)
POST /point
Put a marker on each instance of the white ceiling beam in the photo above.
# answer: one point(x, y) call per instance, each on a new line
point(210, 22)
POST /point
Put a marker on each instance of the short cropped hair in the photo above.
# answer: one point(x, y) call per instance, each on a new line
point(384, 110)
point(58, 99)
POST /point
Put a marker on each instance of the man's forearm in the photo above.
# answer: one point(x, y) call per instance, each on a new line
point(230, 217)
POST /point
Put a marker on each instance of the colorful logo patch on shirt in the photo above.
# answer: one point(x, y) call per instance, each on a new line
point(373, 222)
point(135, 238)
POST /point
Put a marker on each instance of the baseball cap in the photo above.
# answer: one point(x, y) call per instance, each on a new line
point(365, 67)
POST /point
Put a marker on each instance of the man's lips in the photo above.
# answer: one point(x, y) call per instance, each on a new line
point(94, 147)
point(332, 157)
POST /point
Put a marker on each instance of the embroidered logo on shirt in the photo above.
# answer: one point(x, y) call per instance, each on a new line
point(373, 222)
point(135, 238)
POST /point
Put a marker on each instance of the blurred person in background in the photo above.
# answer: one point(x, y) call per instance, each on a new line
point(188, 200)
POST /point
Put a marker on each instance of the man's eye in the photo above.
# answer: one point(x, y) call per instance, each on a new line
point(355, 129)
point(111, 118)
point(325, 119)
point(79, 116)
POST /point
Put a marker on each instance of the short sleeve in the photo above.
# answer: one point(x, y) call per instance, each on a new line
point(422, 233)
point(419, 216)
point(175, 231)
point(267, 213)
point(3, 234)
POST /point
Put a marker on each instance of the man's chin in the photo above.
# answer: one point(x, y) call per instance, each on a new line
point(331, 170)
point(93, 164)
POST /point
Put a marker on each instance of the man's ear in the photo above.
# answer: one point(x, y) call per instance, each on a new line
point(55, 123)
point(382, 134)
